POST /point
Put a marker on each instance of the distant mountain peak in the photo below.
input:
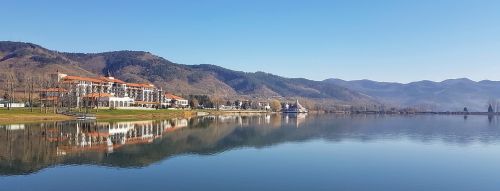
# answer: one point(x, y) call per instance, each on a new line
point(458, 80)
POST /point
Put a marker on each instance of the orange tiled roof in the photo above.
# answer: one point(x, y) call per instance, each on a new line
point(112, 80)
point(105, 79)
point(140, 85)
point(172, 96)
point(96, 95)
point(79, 78)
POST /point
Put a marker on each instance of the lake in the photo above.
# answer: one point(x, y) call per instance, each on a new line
point(255, 152)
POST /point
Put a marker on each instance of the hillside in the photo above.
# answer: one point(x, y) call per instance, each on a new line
point(22, 60)
point(452, 95)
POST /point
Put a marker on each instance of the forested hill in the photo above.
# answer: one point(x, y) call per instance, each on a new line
point(23, 60)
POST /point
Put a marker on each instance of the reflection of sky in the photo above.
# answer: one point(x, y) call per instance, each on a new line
point(311, 165)
point(326, 152)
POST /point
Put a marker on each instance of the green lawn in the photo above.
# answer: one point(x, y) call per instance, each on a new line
point(25, 115)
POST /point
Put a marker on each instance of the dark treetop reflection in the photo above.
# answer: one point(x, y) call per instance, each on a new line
point(28, 148)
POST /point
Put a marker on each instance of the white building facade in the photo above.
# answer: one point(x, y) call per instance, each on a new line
point(104, 91)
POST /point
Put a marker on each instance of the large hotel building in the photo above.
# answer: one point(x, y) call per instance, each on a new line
point(107, 91)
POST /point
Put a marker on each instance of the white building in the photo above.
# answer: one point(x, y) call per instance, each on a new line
point(13, 105)
point(171, 100)
point(104, 91)
point(108, 100)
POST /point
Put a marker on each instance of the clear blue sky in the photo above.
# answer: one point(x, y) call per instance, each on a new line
point(350, 39)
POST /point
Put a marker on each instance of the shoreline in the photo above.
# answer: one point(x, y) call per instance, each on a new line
point(24, 115)
point(417, 113)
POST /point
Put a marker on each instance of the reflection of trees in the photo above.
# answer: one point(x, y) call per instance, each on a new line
point(31, 147)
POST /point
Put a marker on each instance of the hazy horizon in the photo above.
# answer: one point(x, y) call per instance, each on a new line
point(387, 41)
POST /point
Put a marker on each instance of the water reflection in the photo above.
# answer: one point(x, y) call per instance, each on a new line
point(28, 148)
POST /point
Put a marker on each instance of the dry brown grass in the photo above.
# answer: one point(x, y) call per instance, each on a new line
point(143, 114)
point(24, 115)
point(17, 115)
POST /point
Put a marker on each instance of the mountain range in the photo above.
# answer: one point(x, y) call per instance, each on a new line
point(20, 61)
point(447, 95)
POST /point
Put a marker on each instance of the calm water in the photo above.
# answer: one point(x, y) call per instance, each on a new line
point(264, 152)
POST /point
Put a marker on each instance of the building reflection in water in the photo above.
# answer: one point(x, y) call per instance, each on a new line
point(107, 136)
point(295, 118)
point(273, 120)
point(75, 136)
point(27, 148)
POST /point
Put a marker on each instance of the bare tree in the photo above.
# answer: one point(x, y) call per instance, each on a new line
point(275, 105)
point(7, 94)
point(99, 89)
point(193, 103)
point(216, 100)
point(45, 84)
point(30, 99)
point(11, 92)
point(40, 96)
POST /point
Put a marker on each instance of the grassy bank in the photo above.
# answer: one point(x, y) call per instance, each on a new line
point(24, 115)
point(142, 114)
